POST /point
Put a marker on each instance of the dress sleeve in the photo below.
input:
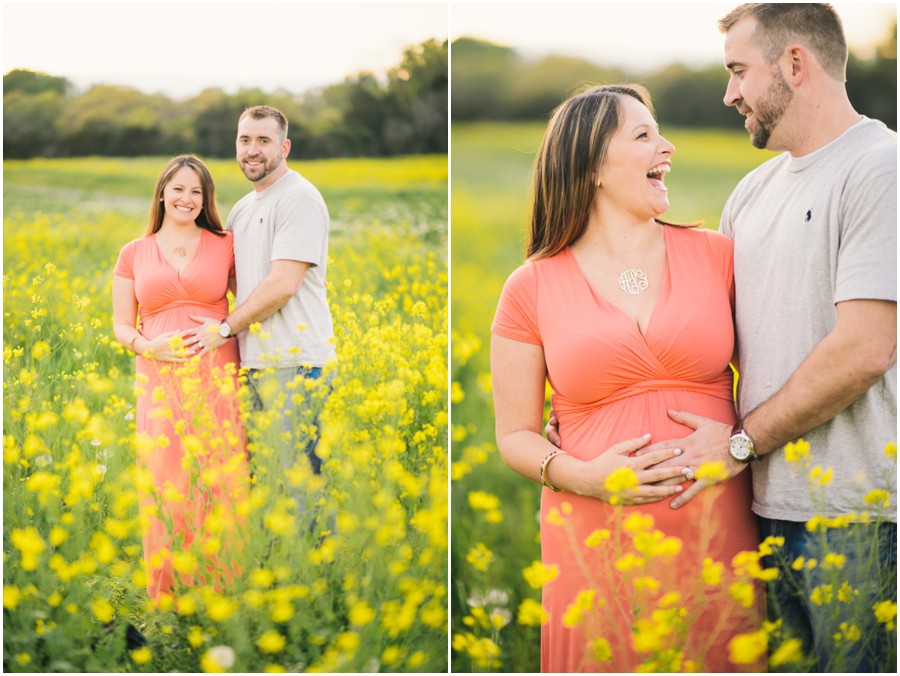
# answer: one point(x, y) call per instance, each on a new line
point(125, 263)
point(516, 316)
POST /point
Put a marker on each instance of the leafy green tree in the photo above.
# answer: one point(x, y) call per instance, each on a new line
point(33, 82)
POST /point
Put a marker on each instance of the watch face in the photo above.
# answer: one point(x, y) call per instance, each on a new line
point(224, 331)
point(739, 447)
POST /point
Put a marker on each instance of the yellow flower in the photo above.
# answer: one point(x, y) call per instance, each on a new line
point(361, 613)
point(40, 350)
point(795, 451)
point(628, 562)
point(648, 636)
point(220, 609)
point(601, 650)
point(596, 537)
point(878, 497)
point(847, 632)
point(712, 471)
point(278, 522)
point(637, 522)
point(532, 613)
point(846, 593)
point(748, 648)
point(456, 393)
point(742, 592)
point(582, 605)
point(619, 481)
point(186, 605)
point(195, 636)
point(833, 561)
point(271, 642)
point(30, 545)
point(391, 655)
point(886, 613)
point(646, 583)
point(537, 574)
point(480, 557)
point(890, 450)
point(141, 655)
point(11, 597)
point(820, 477)
point(822, 594)
point(712, 572)
point(789, 651)
point(102, 609)
point(554, 517)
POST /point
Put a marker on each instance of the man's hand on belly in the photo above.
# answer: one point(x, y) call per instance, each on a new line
point(708, 443)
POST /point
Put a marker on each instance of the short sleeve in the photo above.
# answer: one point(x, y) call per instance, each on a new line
point(300, 230)
point(516, 316)
point(867, 257)
point(125, 263)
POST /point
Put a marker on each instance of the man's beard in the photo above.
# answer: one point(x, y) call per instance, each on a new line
point(770, 109)
point(265, 168)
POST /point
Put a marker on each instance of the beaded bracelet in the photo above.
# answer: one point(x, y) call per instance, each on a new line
point(550, 456)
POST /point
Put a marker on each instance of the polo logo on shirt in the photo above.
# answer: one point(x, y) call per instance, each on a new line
point(808, 216)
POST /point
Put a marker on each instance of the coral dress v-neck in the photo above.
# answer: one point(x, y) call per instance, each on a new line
point(611, 383)
point(189, 434)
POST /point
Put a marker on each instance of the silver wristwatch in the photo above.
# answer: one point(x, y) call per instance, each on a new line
point(225, 330)
point(741, 447)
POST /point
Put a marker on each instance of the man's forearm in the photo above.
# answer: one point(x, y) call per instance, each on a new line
point(278, 287)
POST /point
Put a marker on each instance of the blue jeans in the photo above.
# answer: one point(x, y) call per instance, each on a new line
point(300, 407)
point(869, 567)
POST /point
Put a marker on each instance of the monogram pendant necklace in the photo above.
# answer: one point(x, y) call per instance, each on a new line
point(633, 281)
point(181, 252)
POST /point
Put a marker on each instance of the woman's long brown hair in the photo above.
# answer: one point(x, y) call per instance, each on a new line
point(574, 147)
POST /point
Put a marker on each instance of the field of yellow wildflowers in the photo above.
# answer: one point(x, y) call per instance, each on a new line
point(365, 590)
point(494, 543)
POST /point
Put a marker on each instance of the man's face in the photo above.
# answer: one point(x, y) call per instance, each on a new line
point(756, 87)
point(260, 148)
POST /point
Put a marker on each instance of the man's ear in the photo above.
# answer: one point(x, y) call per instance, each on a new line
point(797, 58)
point(285, 148)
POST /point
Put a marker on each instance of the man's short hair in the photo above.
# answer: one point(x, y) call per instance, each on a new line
point(815, 25)
point(262, 112)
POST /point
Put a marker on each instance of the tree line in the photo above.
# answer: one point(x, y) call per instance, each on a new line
point(402, 112)
point(493, 82)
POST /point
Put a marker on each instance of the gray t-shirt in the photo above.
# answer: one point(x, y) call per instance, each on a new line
point(810, 232)
point(287, 221)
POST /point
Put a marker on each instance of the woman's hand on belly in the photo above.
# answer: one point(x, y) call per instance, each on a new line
point(171, 346)
point(611, 475)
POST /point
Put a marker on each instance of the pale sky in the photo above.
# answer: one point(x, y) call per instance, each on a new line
point(637, 35)
point(182, 48)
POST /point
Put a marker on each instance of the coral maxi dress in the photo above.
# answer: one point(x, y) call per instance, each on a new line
point(612, 383)
point(189, 435)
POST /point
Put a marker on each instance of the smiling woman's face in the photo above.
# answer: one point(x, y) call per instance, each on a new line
point(637, 160)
